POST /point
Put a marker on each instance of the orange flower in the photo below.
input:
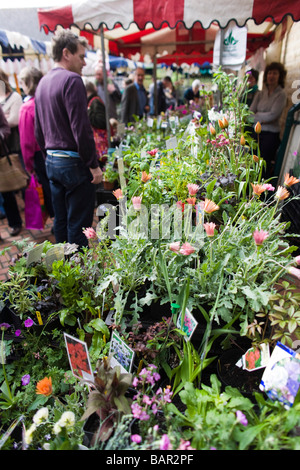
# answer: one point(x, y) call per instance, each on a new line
point(282, 193)
point(210, 206)
point(225, 122)
point(258, 189)
point(212, 130)
point(257, 128)
point(290, 180)
point(145, 177)
point(256, 158)
point(242, 141)
point(44, 387)
point(191, 200)
point(118, 193)
point(221, 124)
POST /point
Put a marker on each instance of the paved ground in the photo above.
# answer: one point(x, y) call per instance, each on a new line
point(33, 235)
point(38, 236)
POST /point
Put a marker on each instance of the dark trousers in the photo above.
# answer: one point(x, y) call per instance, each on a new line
point(268, 145)
point(40, 170)
point(11, 209)
point(73, 198)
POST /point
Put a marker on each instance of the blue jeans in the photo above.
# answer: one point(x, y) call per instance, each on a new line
point(73, 198)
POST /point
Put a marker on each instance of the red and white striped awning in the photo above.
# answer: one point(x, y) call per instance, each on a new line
point(110, 13)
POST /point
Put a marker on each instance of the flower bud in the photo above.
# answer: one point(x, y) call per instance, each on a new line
point(221, 124)
point(242, 141)
point(257, 128)
point(212, 130)
point(225, 123)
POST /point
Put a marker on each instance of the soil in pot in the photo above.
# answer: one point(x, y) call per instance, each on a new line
point(230, 374)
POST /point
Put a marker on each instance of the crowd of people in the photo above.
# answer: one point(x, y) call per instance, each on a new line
point(60, 127)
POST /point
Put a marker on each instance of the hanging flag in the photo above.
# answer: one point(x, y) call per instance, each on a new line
point(230, 47)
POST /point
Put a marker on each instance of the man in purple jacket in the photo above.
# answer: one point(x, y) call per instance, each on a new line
point(64, 134)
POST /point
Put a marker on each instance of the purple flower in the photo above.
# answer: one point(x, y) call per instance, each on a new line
point(17, 332)
point(136, 438)
point(25, 379)
point(28, 323)
point(4, 326)
point(241, 418)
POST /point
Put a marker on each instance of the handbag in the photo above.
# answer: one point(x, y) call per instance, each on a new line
point(13, 175)
point(100, 135)
point(35, 211)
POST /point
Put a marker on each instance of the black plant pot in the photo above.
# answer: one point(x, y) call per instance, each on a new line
point(232, 375)
point(7, 315)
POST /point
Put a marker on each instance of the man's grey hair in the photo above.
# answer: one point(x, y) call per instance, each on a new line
point(65, 38)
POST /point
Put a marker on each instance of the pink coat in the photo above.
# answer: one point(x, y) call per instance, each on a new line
point(28, 141)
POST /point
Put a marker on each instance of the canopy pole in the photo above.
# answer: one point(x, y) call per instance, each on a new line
point(155, 80)
point(105, 86)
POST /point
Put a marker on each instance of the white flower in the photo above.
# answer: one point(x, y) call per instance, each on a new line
point(57, 428)
point(40, 416)
point(67, 419)
point(29, 434)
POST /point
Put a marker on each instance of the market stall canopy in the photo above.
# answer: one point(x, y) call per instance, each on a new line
point(110, 13)
point(16, 40)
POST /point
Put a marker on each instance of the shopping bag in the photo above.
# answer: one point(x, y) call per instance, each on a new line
point(101, 142)
point(35, 211)
point(12, 174)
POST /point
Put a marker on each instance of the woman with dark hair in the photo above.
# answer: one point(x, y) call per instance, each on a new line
point(267, 106)
point(33, 158)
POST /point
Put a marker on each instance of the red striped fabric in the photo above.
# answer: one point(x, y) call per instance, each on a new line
point(166, 12)
point(50, 18)
point(158, 12)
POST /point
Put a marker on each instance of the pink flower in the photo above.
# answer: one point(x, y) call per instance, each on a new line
point(186, 249)
point(297, 259)
point(268, 187)
point(193, 189)
point(210, 228)
point(241, 418)
point(185, 445)
point(28, 323)
point(165, 443)
point(152, 152)
point(90, 233)
point(259, 236)
point(174, 246)
point(294, 272)
point(136, 438)
point(137, 202)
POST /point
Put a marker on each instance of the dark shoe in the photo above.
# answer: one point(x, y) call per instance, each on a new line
point(15, 231)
